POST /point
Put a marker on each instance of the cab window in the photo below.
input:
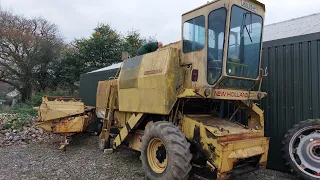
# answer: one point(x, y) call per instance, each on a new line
point(216, 35)
point(194, 34)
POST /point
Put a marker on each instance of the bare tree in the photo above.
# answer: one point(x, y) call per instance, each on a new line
point(27, 49)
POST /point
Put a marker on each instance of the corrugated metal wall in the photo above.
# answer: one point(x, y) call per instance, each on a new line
point(293, 87)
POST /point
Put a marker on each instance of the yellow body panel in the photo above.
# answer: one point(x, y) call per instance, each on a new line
point(64, 115)
point(135, 140)
point(46, 125)
point(132, 123)
point(67, 126)
point(50, 110)
point(149, 83)
point(224, 143)
point(103, 94)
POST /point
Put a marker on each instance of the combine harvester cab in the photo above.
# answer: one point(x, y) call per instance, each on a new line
point(65, 116)
point(193, 101)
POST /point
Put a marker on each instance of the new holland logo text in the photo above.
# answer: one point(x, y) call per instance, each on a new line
point(233, 94)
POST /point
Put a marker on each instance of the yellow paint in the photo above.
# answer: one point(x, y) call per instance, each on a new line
point(154, 163)
point(70, 125)
point(230, 142)
point(66, 125)
point(120, 119)
point(64, 115)
point(155, 89)
point(47, 125)
point(103, 92)
point(133, 123)
point(55, 109)
point(187, 93)
point(109, 111)
point(135, 140)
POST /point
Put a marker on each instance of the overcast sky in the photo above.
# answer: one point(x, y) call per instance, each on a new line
point(77, 18)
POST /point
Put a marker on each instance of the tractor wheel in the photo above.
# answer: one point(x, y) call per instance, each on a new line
point(301, 148)
point(165, 152)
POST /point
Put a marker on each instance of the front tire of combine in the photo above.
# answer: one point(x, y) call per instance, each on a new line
point(301, 148)
point(165, 152)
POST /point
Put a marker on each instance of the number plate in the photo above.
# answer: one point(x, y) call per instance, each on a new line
point(249, 6)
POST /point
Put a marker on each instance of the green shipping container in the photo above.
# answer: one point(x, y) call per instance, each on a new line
point(89, 82)
point(291, 51)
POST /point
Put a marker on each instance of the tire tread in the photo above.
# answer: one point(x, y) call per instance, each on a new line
point(176, 145)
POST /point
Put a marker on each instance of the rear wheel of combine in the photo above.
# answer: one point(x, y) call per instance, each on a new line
point(302, 149)
point(165, 152)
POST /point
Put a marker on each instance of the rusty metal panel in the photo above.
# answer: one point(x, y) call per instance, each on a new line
point(56, 109)
point(64, 115)
point(292, 85)
point(70, 125)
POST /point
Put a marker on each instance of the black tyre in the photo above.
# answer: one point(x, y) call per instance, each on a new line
point(301, 149)
point(165, 152)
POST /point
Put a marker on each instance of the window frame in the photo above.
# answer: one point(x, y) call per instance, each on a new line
point(260, 52)
point(223, 45)
point(205, 29)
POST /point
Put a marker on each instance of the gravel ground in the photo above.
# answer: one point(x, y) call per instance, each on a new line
point(83, 160)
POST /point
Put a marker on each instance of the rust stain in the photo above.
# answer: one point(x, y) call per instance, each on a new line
point(236, 137)
point(157, 71)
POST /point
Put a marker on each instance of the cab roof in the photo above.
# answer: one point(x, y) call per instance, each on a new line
point(255, 1)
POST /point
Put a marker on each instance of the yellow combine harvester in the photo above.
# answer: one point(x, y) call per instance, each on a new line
point(192, 102)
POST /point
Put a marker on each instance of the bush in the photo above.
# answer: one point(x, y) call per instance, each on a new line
point(5, 108)
point(24, 109)
point(24, 114)
point(36, 99)
point(18, 122)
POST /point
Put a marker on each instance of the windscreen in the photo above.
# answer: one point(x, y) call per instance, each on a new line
point(244, 44)
point(216, 32)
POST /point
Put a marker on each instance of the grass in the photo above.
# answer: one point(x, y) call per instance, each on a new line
point(24, 116)
point(25, 111)
point(17, 122)
point(35, 100)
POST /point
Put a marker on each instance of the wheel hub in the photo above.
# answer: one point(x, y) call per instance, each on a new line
point(308, 151)
point(161, 153)
point(157, 155)
point(316, 151)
